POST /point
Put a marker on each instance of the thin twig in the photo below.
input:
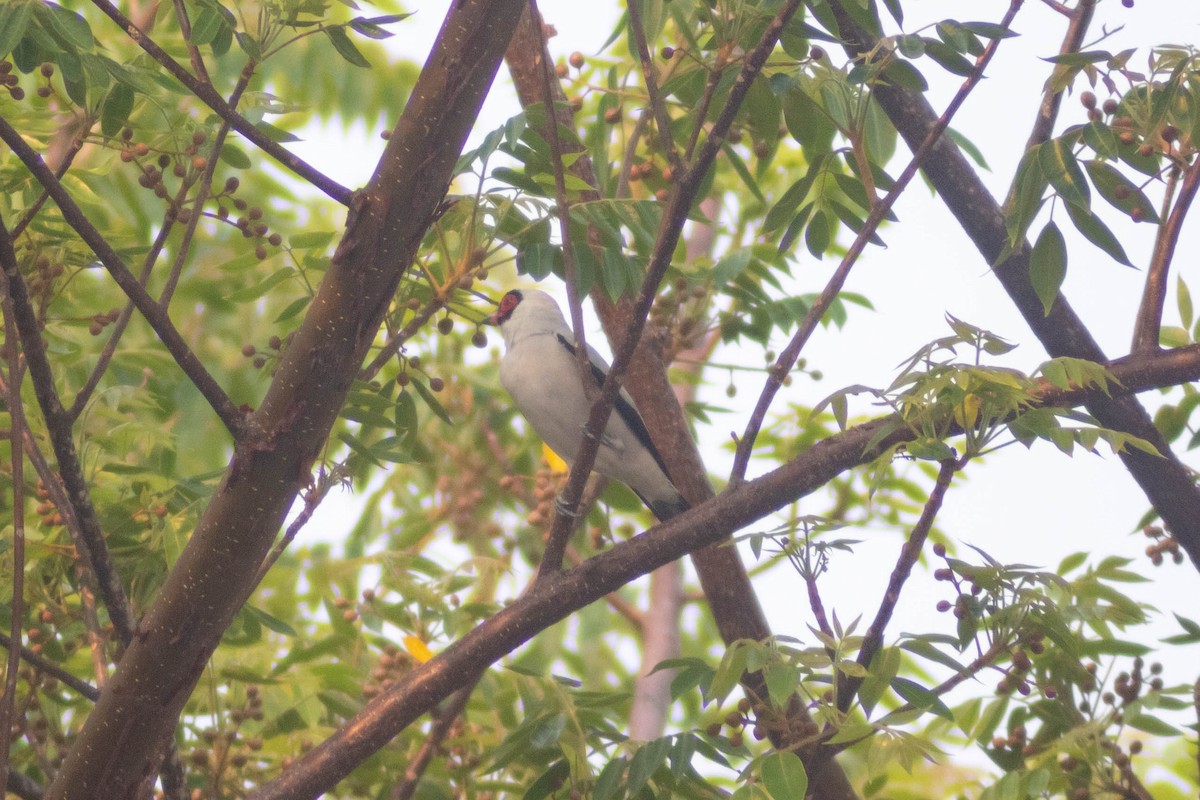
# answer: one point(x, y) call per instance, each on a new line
point(1081, 18)
point(552, 556)
point(657, 105)
point(443, 724)
point(210, 97)
point(58, 424)
point(168, 290)
point(16, 436)
point(787, 359)
point(185, 29)
point(31, 212)
point(158, 318)
point(909, 554)
point(110, 347)
point(630, 153)
point(674, 216)
point(1149, 316)
point(43, 664)
point(393, 345)
point(312, 499)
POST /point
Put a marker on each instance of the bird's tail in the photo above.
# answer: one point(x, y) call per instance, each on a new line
point(664, 509)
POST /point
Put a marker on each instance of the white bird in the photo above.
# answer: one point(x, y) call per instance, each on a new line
point(540, 372)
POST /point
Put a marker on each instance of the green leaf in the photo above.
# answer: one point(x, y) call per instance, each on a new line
point(1120, 192)
point(948, 58)
point(609, 784)
point(1151, 725)
point(234, 156)
point(116, 109)
point(262, 287)
point(783, 210)
point(1184, 301)
point(731, 265)
point(271, 622)
point(1061, 168)
point(645, 762)
point(14, 19)
point(817, 235)
point(549, 781)
point(1048, 265)
point(346, 48)
point(921, 698)
point(783, 776)
point(431, 401)
point(68, 27)
point(1096, 232)
point(968, 147)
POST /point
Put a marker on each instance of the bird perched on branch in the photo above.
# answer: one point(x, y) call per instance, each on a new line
point(541, 373)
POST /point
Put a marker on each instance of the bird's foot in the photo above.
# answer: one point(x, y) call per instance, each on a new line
point(565, 508)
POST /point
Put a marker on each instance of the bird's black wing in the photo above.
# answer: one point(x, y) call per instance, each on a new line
point(623, 407)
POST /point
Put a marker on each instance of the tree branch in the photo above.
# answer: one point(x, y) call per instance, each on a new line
point(120, 742)
point(209, 96)
point(909, 555)
point(787, 359)
point(674, 217)
point(658, 106)
point(1166, 481)
point(16, 437)
point(1154, 296)
point(58, 424)
point(1080, 19)
point(229, 413)
point(444, 722)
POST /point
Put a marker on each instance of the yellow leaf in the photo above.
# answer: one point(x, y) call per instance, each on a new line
point(417, 649)
point(555, 463)
point(966, 414)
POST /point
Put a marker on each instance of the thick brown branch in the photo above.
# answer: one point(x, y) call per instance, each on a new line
point(121, 740)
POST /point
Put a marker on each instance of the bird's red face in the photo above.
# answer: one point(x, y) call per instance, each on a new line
point(508, 304)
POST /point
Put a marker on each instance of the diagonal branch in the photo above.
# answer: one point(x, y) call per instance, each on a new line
point(122, 741)
point(787, 359)
point(58, 424)
point(658, 105)
point(155, 314)
point(674, 217)
point(909, 554)
point(1166, 481)
point(213, 100)
point(1149, 317)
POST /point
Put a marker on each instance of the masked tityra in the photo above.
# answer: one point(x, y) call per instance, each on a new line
point(539, 370)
